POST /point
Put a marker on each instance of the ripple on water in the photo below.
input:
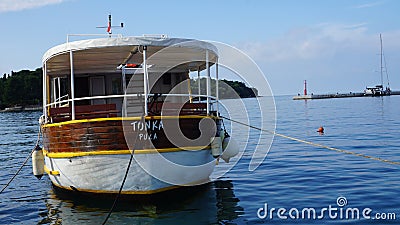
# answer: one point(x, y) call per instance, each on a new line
point(292, 175)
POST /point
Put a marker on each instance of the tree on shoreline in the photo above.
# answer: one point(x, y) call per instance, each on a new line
point(227, 88)
point(21, 88)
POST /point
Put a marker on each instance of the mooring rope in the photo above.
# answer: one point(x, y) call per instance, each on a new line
point(23, 164)
point(123, 181)
point(316, 144)
point(119, 192)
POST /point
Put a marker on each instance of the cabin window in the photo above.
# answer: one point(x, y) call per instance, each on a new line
point(97, 88)
point(166, 78)
point(81, 90)
point(116, 86)
point(59, 90)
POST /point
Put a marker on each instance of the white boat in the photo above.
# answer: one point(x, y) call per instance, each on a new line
point(379, 89)
point(13, 109)
point(107, 99)
point(375, 91)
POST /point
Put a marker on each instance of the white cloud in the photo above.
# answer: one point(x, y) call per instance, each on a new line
point(18, 5)
point(320, 41)
point(368, 5)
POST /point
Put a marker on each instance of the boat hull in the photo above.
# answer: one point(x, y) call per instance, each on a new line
point(105, 173)
point(93, 155)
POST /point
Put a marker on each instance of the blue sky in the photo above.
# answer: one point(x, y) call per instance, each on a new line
point(334, 44)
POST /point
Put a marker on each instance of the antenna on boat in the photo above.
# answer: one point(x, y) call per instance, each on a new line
point(109, 26)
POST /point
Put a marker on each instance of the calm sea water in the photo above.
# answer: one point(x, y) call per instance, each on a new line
point(293, 176)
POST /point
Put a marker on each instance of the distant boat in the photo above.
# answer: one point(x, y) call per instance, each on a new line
point(379, 89)
point(13, 109)
point(376, 91)
point(22, 109)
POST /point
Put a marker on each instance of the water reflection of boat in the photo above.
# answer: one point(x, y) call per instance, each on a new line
point(212, 203)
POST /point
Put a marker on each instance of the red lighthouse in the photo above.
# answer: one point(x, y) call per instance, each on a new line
point(305, 87)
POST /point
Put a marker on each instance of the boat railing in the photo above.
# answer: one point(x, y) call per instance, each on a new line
point(192, 96)
point(60, 100)
point(61, 114)
point(60, 110)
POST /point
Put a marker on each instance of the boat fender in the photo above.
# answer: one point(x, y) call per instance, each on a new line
point(38, 162)
point(41, 120)
point(216, 147)
point(231, 148)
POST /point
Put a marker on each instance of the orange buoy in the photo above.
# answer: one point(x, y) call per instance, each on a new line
point(320, 130)
point(131, 65)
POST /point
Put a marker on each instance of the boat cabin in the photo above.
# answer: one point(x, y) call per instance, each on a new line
point(127, 77)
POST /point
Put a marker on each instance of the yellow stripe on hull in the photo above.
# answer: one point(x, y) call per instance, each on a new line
point(126, 118)
point(51, 172)
point(121, 152)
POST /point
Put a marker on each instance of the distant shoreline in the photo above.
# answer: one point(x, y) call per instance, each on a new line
point(338, 95)
point(22, 109)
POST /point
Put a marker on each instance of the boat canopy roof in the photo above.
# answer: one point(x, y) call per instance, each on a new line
point(105, 55)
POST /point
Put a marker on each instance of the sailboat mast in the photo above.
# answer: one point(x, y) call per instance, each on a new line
point(380, 36)
point(384, 65)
